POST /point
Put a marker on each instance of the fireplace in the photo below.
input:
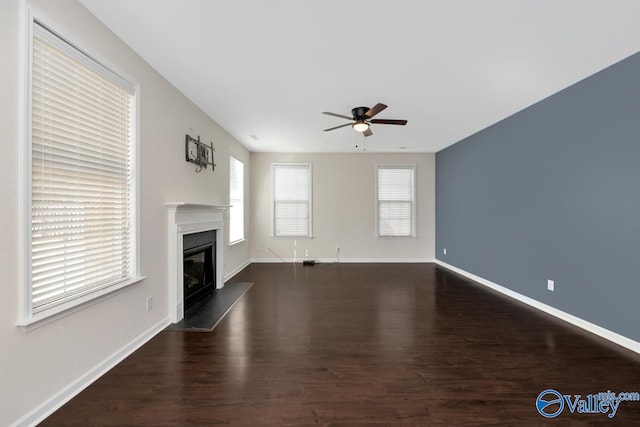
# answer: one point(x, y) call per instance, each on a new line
point(204, 223)
point(199, 266)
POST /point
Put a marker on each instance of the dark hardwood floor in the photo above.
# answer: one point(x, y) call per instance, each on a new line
point(361, 344)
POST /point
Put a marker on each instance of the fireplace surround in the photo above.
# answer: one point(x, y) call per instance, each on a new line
point(185, 219)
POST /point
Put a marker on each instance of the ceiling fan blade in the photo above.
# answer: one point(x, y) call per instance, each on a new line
point(389, 122)
point(337, 115)
point(375, 110)
point(367, 132)
point(338, 127)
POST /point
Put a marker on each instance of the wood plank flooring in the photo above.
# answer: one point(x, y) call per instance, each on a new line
point(361, 344)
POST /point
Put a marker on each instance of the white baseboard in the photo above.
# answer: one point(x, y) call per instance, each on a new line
point(345, 260)
point(236, 270)
point(49, 406)
point(386, 260)
point(562, 315)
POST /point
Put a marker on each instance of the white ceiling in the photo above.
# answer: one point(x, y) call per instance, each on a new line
point(266, 69)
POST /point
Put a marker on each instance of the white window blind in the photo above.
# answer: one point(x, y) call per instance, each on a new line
point(236, 200)
point(82, 183)
point(396, 201)
point(292, 200)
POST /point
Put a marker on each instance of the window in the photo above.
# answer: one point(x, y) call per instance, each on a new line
point(292, 200)
point(236, 200)
point(81, 198)
point(396, 201)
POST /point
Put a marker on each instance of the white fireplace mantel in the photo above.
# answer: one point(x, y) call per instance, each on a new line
point(188, 218)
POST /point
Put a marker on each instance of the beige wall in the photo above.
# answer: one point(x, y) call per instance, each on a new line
point(343, 209)
point(77, 344)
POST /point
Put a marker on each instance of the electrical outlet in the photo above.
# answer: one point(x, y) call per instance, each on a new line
point(306, 252)
point(149, 303)
point(551, 285)
point(444, 251)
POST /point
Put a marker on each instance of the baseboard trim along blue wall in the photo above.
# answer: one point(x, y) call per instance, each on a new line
point(553, 193)
point(576, 321)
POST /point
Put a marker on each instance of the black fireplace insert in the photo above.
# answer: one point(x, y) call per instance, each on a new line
point(199, 265)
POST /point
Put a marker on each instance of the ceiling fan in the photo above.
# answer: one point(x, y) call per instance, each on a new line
point(363, 118)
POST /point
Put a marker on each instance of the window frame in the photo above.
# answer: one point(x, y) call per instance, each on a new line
point(243, 238)
point(27, 319)
point(412, 167)
point(309, 168)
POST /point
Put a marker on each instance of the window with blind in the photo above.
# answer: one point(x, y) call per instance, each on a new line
point(82, 185)
point(395, 201)
point(236, 200)
point(291, 200)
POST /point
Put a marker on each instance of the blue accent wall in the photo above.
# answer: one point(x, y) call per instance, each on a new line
point(553, 192)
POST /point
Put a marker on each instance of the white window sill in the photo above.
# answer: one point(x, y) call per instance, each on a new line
point(235, 242)
point(292, 237)
point(51, 315)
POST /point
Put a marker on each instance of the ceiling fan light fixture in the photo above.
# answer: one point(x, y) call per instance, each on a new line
point(360, 126)
point(363, 118)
